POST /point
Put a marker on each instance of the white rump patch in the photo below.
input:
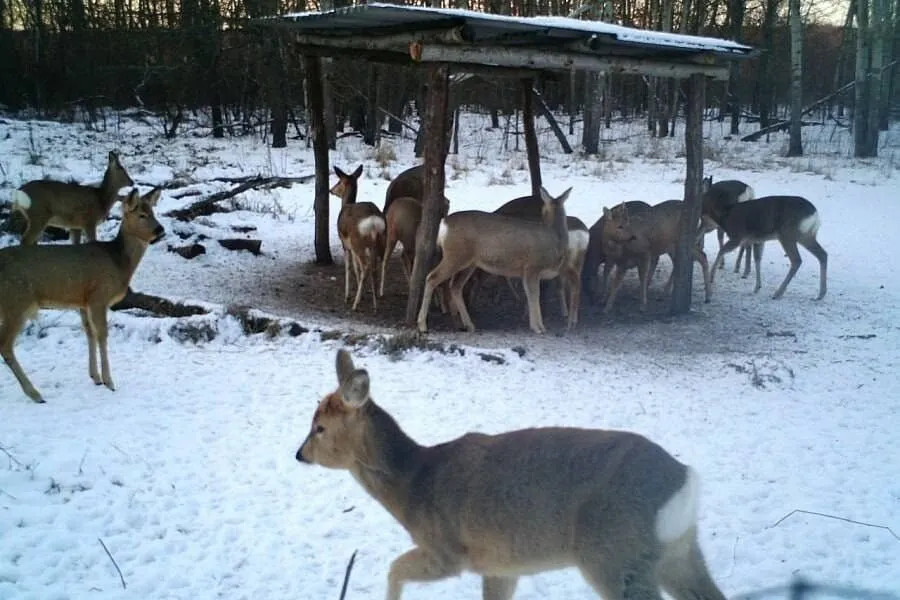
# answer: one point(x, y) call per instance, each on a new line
point(442, 233)
point(578, 240)
point(748, 194)
point(371, 225)
point(21, 200)
point(810, 225)
point(679, 513)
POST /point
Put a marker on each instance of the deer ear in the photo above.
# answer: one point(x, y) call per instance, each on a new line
point(546, 198)
point(132, 200)
point(152, 197)
point(564, 196)
point(113, 157)
point(355, 389)
point(357, 172)
point(343, 365)
point(339, 173)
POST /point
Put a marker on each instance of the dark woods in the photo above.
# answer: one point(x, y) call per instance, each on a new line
point(196, 66)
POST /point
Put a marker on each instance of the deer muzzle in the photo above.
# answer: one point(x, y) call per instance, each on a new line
point(158, 234)
point(299, 455)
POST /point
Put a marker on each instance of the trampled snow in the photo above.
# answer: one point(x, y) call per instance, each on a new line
point(187, 475)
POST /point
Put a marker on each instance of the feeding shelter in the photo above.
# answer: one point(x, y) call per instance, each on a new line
point(453, 40)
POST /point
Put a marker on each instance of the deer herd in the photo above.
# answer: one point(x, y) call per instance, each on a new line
point(612, 504)
point(533, 239)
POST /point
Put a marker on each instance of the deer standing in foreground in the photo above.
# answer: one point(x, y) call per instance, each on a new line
point(649, 235)
point(595, 254)
point(613, 504)
point(89, 277)
point(71, 206)
point(361, 229)
point(717, 199)
point(791, 220)
point(503, 246)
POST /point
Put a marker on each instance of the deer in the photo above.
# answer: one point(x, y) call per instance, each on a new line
point(613, 504)
point(411, 184)
point(595, 254)
point(791, 220)
point(361, 228)
point(402, 224)
point(503, 246)
point(530, 207)
point(72, 206)
point(640, 240)
point(89, 277)
point(716, 200)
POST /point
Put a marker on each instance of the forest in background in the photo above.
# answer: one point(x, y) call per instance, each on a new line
point(200, 64)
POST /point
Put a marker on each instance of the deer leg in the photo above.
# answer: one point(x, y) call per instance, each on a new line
point(729, 246)
point(370, 266)
point(438, 275)
point(532, 284)
point(75, 236)
point(747, 252)
point(819, 252)
point(348, 258)
point(700, 257)
point(417, 565)
point(388, 250)
point(574, 287)
point(793, 254)
point(498, 588)
point(621, 582)
point(91, 334)
point(720, 234)
point(457, 285)
point(98, 315)
point(604, 284)
point(563, 286)
point(33, 229)
point(644, 273)
point(737, 262)
point(682, 570)
point(9, 331)
point(757, 259)
point(614, 285)
point(360, 279)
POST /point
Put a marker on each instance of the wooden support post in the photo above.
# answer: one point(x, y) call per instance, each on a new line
point(531, 143)
point(690, 215)
point(435, 131)
point(313, 67)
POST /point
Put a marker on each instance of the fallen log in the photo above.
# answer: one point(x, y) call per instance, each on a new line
point(252, 246)
point(157, 305)
point(209, 205)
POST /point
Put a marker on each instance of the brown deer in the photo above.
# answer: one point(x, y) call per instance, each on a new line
point(640, 240)
point(530, 207)
point(402, 219)
point(503, 246)
point(89, 277)
point(410, 184)
point(613, 504)
point(70, 206)
point(717, 199)
point(595, 254)
point(791, 220)
point(361, 229)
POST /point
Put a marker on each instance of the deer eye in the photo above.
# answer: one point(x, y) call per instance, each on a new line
point(320, 429)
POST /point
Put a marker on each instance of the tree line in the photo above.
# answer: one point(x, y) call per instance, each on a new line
point(197, 63)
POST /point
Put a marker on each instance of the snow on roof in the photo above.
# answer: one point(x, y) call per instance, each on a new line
point(621, 34)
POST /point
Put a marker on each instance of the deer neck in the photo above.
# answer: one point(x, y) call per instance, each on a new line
point(108, 192)
point(128, 251)
point(350, 195)
point(386, 461)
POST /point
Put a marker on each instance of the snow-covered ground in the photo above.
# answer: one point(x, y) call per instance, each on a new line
point(187, 472)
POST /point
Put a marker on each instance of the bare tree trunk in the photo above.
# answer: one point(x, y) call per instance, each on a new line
point(736, 19)
point(590, 132)
point(372, 129)
point(313, 68)
point(843, 54)
point(683, 267)
point(764, 83)
point(861, 136)
point(879, 29)
point(796, 141)
point(435, 126)
point(531, 143)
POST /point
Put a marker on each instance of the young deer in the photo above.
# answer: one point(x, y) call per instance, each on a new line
point(500, 245)
point(361, 230)
point(70, 206)
point(639, 240)
point(89, 277)
point(717, 199)
point(791, 220)
point(613, 504)
point(595, 254)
